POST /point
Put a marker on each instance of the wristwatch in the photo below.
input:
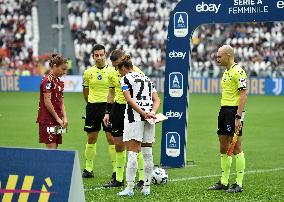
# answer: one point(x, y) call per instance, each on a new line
point(238, 116)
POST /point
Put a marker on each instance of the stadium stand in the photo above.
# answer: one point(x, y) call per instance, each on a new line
point(137, 26)
point(259, 48)
point(140, 28)
point(19, 39)
point(120, 24)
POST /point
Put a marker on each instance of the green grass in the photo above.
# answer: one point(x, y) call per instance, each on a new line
point(262, 142)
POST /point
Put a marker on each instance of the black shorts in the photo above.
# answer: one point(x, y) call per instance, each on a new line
point(117, 119)
point(94, 117)
point(226, 121)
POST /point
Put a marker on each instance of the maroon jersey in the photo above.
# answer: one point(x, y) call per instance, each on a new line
point(53, 85)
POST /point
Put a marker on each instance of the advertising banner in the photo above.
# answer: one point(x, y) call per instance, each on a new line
point(32, 83)
point(256, 86)
point(40, 175)
point(184, 19)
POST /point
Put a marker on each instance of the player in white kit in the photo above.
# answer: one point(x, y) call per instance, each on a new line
point(138, 135)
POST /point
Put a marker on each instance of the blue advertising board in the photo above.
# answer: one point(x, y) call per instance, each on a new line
point(20, 83)
point(40, 175)
point(255, 86)
point(184, 19)
point(72, 83)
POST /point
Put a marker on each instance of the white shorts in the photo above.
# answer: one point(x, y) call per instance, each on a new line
point(141, 131)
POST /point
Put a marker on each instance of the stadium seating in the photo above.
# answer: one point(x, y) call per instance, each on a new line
point(121, 24)
point(19, 38)
point(140, 28)
point(137, 26)
point(259, 48)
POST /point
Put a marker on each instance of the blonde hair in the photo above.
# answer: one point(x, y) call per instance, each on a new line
point(126, 62)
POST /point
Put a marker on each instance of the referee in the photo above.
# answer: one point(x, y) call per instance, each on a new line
point(95, 90)
point(230, 119)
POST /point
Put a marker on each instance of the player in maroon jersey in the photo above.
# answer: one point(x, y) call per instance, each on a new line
point(52, 118)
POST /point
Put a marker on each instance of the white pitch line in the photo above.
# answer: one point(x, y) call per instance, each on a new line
point(217, 175)
point(97, 188)
point(207, 176)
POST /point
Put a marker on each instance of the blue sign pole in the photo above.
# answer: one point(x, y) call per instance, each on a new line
point(185, 18)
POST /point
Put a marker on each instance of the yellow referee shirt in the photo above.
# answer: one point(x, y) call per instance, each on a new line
point(234, 79)
point(98, 82)
point(115, 81)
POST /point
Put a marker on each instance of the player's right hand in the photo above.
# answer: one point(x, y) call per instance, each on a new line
point(238, 125)
point(106, 120)
point(153, 113)
point(149, 115)
point(61, 123)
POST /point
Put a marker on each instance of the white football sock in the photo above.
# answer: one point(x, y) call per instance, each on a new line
point(148, 165)
point(131, 169)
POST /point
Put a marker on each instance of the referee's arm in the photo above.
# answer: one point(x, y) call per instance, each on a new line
point(111, 95)
point(85, 85)
point(243, 99)
point(86, 93)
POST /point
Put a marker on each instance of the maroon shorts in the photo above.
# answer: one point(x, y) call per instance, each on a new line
point(47, 134)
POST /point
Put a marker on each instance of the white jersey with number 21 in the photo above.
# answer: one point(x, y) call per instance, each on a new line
point(141, 90)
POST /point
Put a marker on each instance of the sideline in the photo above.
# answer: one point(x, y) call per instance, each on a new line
point(209, 176)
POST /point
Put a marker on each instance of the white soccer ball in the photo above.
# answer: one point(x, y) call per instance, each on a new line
point(159, 176)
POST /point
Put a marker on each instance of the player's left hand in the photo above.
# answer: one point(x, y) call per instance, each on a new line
point(65, 122)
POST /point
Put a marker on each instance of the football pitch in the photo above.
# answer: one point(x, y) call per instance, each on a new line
point(262, 142)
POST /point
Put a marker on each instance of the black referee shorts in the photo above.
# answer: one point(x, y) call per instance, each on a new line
point(226, 121)
point(94, 117)
point(117, 119)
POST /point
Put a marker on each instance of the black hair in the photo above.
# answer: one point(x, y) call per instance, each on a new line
point(98, 47)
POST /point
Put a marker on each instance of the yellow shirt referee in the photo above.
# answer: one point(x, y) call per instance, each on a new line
point(96, 84)
point(230, 119)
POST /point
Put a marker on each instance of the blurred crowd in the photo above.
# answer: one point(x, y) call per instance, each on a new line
point(17, 56)
point(137, 26)
point(259, 48)
point(140, 28)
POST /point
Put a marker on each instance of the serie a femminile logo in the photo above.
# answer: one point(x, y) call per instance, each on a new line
point(176, 84)
point(180, 24)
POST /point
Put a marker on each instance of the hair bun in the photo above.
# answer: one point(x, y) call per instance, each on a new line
point(127, 56)
point(56, 59)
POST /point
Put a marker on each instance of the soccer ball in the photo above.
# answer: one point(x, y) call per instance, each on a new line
point(159, 176)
